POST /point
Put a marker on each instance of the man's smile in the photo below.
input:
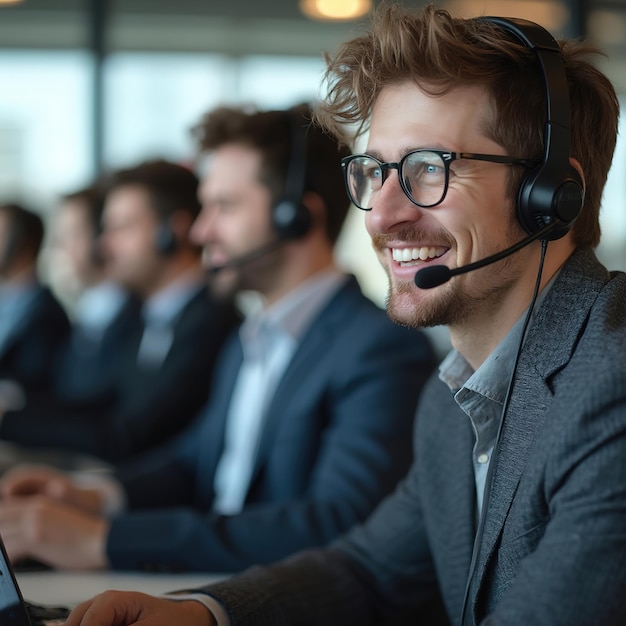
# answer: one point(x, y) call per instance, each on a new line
point(416, 255)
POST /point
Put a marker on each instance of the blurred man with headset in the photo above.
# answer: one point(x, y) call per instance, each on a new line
point(310, 417)
point(33, 323)
point(105, 316)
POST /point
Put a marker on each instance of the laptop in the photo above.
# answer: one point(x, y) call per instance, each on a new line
point(14, 610)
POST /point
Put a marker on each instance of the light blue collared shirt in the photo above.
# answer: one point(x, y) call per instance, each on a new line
point(97, 307)
point(481, 393)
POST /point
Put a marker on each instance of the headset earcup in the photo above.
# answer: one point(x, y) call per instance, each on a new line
point(546, 196)
point(165, 240)
point(291, 220)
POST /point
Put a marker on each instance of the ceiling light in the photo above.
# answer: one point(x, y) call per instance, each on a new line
point(9, 1)
point(335, 10)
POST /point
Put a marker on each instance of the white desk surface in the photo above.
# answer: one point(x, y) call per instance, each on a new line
point(72, 588)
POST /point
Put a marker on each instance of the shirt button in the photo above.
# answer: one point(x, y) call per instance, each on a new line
point(483, 458)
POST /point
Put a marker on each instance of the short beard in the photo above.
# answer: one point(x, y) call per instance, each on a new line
point(445, 310)
point(262, 274)
point(453, 305)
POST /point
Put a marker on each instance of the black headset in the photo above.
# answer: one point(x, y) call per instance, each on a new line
point(165, 240)
point(290, 218)
point(97, 230)
point(552, 192)
point(12, 242)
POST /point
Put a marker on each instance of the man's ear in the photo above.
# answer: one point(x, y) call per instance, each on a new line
point(317, 207)
point(577, 166)
point(180, 224)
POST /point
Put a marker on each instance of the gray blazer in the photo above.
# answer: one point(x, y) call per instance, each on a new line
point(553, 550)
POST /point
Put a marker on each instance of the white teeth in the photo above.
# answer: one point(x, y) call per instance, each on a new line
point(404, 255)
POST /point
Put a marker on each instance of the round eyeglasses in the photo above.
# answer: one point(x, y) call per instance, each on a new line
point(423, 174)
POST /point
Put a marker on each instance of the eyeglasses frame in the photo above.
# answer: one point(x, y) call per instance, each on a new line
point(446, 156)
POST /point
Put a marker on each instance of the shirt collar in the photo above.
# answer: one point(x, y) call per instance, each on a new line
point(163, 307)
point(293, 313)
point(17, 297)
point(98, 305)
point(491, 379)
point(19, 288)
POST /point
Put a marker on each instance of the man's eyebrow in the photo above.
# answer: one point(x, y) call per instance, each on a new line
point(406, 149)
point(372, 153)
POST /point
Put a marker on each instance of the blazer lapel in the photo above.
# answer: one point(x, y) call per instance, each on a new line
point(308, 358)
point(549, 345)
point(210, 443)
point(451, 495)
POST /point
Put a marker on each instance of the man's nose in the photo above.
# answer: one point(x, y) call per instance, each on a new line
point(203, 227)
point(391, 208)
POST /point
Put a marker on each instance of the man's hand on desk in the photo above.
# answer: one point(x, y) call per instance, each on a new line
point(120, 608)
point(30, 480)
point(52, 532)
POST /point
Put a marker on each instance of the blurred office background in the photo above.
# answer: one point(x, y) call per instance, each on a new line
point(87, 85)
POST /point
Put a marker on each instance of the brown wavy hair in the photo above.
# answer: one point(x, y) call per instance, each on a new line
point(438, 52)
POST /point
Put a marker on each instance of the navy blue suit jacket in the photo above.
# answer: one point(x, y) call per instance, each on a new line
point(29, 353)
point(336, 440)
point(88, 369)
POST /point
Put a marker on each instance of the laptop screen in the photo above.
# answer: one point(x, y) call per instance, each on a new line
point(12, 611)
